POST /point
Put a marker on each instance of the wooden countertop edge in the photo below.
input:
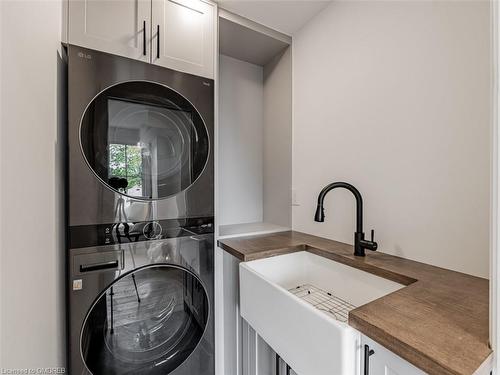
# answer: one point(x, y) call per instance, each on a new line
point(262, 254)
point(230, 250)
point(296, 241)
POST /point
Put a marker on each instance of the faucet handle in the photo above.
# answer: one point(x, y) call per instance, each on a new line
point(373, 244)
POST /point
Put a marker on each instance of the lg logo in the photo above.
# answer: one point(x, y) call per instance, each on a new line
point(85, 56)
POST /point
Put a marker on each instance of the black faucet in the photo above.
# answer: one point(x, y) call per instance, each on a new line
point(360, 244)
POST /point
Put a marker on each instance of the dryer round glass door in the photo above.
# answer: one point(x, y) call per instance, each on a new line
point(147, 322)
point(144, 140)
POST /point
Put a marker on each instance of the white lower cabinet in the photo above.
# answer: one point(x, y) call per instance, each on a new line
point(382, 361)
point(244, 352)
point(258, 357)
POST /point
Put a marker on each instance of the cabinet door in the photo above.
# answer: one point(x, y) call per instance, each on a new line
point(232, 323)
point(183, 35)
point(120, 27)
point(385, 362)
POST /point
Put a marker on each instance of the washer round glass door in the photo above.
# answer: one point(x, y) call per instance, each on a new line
point(147, 322)
point(144, 140)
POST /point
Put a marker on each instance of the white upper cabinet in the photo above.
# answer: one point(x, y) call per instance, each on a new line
point(183, 36)
point(177, 34)
point(119, 27)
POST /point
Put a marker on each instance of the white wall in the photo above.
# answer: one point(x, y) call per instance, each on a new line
point(241, 141)
point(32, 256)
point(394, 97)
point(1, 190)
point(495, 192)
point(277, 170)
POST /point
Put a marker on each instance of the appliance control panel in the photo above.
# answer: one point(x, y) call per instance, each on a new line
point(127, 232)
point(152, 230)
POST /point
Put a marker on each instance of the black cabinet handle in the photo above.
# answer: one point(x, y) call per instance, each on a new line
point(368, 353)
point(98, 266)
point(144, 38)
point(158, 41)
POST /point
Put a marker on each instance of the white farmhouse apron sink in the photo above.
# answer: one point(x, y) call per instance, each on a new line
point(298, 304)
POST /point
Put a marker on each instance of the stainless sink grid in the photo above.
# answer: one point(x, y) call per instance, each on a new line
point(324, 301)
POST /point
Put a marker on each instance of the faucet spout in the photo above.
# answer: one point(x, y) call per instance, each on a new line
point(320, 211)
point(360, 244)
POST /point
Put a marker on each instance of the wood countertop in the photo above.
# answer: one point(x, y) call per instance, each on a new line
point(439, 322)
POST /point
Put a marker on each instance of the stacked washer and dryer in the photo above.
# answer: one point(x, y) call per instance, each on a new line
point(140, 218)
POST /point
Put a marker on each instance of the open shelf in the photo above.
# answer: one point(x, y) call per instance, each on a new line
point(254, 128)
point(249, 229)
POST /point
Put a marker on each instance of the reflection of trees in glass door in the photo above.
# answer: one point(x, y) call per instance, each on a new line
point(125, 161)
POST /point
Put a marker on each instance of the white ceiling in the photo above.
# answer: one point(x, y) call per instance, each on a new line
point(285, 16)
